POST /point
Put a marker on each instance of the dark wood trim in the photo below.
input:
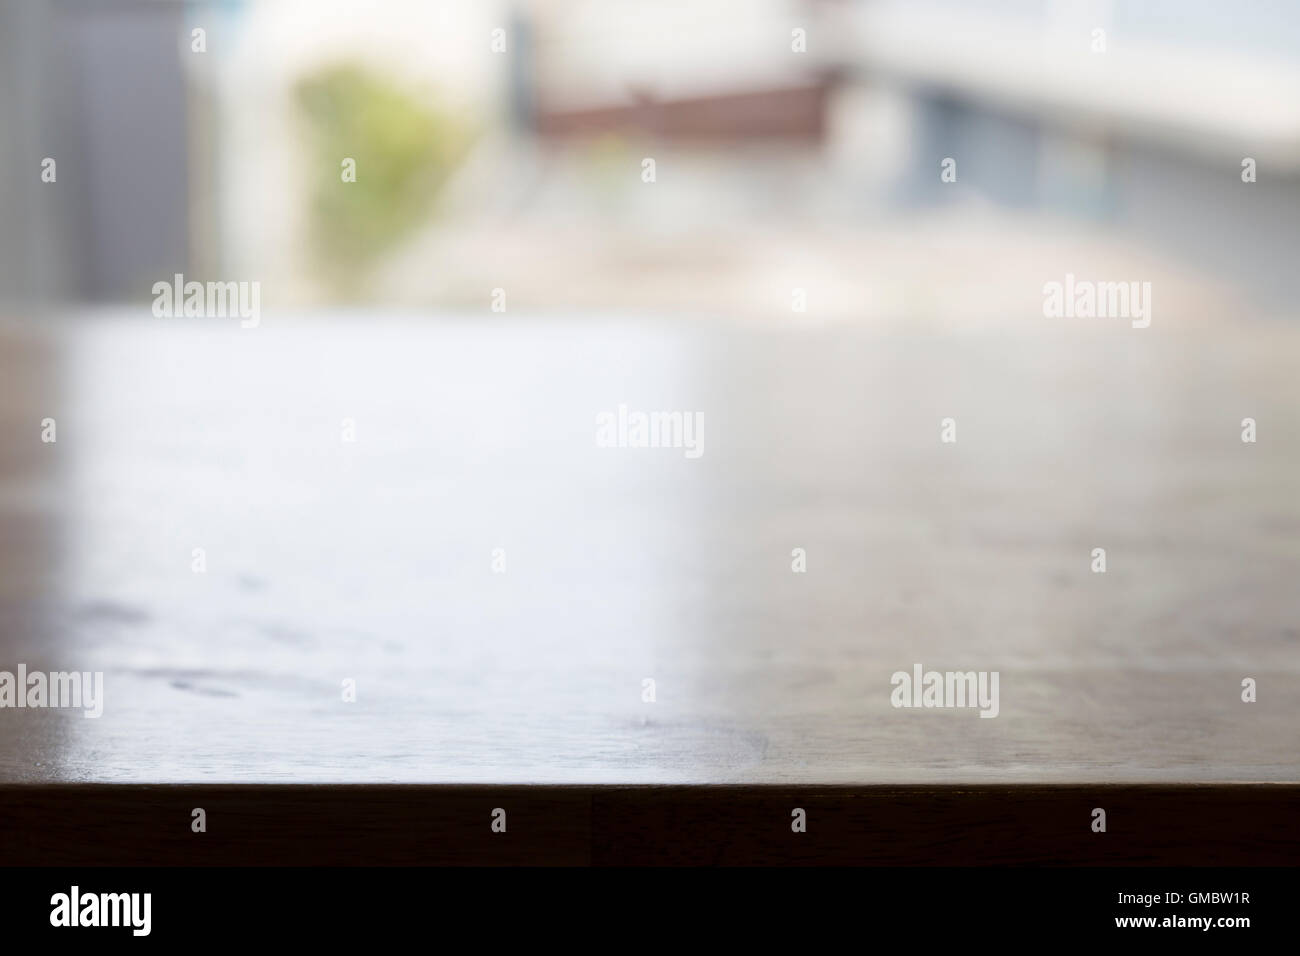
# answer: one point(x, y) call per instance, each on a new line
point(311, 825)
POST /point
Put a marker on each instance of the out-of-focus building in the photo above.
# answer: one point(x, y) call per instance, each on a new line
point(796, 143)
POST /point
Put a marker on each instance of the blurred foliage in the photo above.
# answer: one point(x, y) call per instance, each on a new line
point(404, 147)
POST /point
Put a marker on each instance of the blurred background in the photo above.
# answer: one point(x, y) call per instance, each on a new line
point(798, 144)
point(798, 272)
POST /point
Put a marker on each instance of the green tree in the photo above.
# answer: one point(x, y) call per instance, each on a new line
point(404, 148)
